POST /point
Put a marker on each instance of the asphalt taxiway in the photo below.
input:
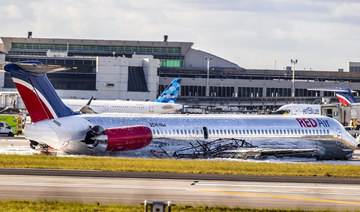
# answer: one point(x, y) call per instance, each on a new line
point(195, 189)
point(134, 188)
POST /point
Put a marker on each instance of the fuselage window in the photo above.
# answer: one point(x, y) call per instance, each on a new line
point(157, 132)
point(232, 132)
point(266, 132)
point(193, 132)
point(217, 132)
point(236, 132)
point(303, 132)
point(251, 132)
point(177, 132)
point(197, 132)
point(221, 132)
point(327, 131)
point(181, 131)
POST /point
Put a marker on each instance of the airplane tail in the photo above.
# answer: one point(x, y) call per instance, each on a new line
point(170, 93)
point(36, 91)
point(344, 95)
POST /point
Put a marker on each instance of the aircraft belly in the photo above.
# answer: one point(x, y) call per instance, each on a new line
point(42, 132)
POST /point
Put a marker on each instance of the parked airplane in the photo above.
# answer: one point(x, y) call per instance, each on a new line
point(164, 104)
point(299, 109)
point(344, 96)
point(56, 126)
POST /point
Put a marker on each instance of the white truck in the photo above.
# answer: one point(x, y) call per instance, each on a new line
point(5, 129)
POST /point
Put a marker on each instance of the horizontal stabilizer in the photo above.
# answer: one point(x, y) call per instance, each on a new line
point(342, 90)
point(39, 68)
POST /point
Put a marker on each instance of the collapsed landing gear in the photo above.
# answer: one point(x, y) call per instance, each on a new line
point(43, 148)
point(34, 144)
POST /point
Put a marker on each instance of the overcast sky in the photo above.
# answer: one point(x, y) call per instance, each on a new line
point(262, 34)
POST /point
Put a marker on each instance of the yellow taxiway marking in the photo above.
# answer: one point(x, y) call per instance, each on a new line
point(283, 197)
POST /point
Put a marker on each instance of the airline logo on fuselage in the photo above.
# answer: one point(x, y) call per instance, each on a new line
point(310, 122)
point(310, 110)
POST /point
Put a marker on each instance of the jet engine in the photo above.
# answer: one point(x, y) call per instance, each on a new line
point(118, 139)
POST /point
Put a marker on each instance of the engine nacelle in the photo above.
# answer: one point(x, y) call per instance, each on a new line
point(128, 138)
point(118, 138)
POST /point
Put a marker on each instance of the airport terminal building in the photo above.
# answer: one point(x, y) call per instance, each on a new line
point(141, 70)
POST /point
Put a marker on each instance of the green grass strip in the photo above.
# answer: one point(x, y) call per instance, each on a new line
point(24, 205)
point(178, 166)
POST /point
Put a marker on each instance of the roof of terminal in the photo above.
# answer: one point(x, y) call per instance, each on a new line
point(185, 46)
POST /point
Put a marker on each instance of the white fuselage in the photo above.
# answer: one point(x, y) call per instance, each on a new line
point(301, 109)
point(120, 106)
point(68, 132)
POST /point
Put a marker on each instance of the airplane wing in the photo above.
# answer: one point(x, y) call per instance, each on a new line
point(86, 109)
point(258, 152)
point(232, 148)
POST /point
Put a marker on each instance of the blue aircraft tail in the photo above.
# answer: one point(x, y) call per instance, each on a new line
point(36, 91)
point(170, 93)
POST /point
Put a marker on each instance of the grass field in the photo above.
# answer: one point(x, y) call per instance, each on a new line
point(178, 166)
point(72, 206)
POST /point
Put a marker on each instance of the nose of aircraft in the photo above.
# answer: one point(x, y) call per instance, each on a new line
point(358, 142)
point(350, 141)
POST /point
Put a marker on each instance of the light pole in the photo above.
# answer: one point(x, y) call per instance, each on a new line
point(207, 75)
point(293, 77)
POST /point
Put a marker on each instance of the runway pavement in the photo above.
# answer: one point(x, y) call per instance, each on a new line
point(134, 190)
point(194, 189)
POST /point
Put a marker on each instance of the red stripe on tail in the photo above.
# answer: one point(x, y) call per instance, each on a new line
point(36, 108)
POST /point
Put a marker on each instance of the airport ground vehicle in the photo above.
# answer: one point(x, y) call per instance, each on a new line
point(14, 121)
point(5, 129)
